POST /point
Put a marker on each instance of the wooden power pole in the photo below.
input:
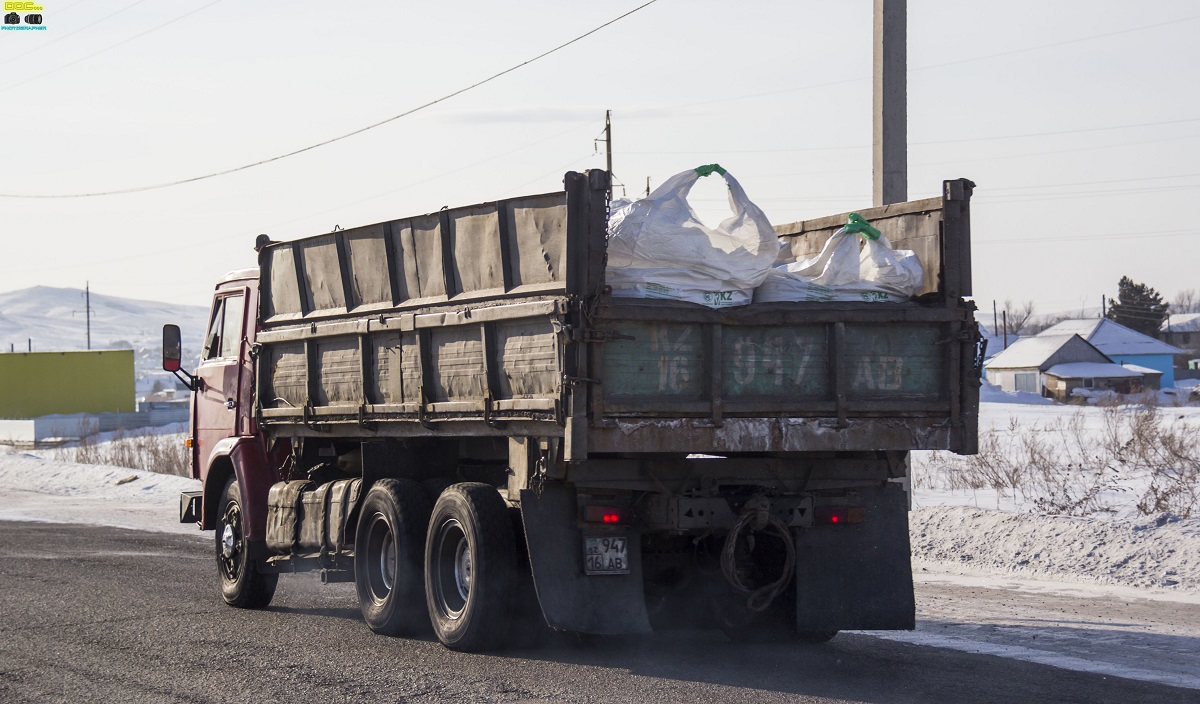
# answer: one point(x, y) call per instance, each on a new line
point(890, 100)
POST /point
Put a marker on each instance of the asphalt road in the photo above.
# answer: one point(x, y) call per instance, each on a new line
point(93, 614)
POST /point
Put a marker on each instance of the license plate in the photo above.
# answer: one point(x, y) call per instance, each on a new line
point(607, 555)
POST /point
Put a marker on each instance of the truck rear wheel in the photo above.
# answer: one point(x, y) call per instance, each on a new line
point(470, 568)
point(242, 585)
point(387, 564)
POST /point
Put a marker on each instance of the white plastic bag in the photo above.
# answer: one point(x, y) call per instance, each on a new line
point(844, 272)
point(659, 248)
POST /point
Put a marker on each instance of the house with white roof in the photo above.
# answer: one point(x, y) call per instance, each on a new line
point(1183, 331)
point(1122, 345)
point(1055, 365)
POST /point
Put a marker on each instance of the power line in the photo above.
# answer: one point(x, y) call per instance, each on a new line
point(1057, 151)
point(107, 48)
point(969, 161)
point(1060, 43)
point(1094, 183)
point(938, 141)
point(249, 234)
point(1074, 195)
point(984, 57)
point(1061, 132)
point(1003, 198)
point(548, 174)
point(1089, 237)
point(393, 118)
point(52, 42)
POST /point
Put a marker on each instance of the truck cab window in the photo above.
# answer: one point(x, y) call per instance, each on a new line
point(231, 328)
point(224, 332)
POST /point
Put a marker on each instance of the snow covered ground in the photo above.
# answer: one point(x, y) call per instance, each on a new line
point(982, 542)
point(985, 531)
point(34, 488)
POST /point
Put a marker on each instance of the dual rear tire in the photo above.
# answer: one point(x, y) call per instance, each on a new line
point(452, 564)
point(389, 550)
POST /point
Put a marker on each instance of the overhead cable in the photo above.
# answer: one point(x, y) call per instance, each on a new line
point(139, 35)
point(68, 35)
point(393, 118)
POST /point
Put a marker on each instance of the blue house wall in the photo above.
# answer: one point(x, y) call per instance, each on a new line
point(1164, 363)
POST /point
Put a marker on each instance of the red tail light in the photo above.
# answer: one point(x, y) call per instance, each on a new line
point(837, 515)
point(609, 515)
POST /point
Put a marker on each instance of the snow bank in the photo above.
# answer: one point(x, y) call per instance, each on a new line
point(991, 393)
point(38, 489)
point(1162, 551)
point(949, 531)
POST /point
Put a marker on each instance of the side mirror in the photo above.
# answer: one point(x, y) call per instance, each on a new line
point(172, 348)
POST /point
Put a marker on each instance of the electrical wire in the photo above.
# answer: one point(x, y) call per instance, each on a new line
point(1064, 42)
point(970, 161)
point(1095, 183)
point(858, 79)
point(932, 142)
point(155, 28)
point(52, 42)
point(249, 234)
point(393, 118)
point(1071, 238)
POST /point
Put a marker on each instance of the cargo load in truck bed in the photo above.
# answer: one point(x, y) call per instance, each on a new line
point(494, 319)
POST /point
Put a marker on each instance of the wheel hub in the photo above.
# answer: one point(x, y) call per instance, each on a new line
point(451, 568)
point(228, 542)
point(462, 569)
point(387, 562)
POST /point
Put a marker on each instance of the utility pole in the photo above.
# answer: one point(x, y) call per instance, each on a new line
point(1005, 329)
point(995, 318)
point(890, 98)
point(87, 297)
point(608, 150)
point(608, 147)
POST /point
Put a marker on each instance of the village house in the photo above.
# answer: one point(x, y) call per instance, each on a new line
point(1183, 331)
point(1056, 365)
point(1123, 346)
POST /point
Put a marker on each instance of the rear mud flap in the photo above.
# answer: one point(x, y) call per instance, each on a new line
point(858, 577)
point(571, 600)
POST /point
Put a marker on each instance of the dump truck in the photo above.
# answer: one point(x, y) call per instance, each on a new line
point(453, 412)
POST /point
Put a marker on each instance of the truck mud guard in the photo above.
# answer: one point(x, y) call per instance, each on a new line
point(609, 604)
point(859, 576)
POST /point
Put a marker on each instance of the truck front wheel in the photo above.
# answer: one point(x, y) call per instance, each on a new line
point(242, 585)
point(470, 568)
point(387, 561)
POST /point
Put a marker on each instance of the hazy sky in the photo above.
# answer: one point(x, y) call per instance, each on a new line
point(1079, 121)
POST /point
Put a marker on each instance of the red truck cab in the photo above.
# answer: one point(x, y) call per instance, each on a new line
point(225, 442)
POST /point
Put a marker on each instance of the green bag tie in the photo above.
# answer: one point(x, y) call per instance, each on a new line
point(858, 224)
point(708, 169)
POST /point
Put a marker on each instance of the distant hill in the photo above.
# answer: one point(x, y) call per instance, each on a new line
point(55, 320)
